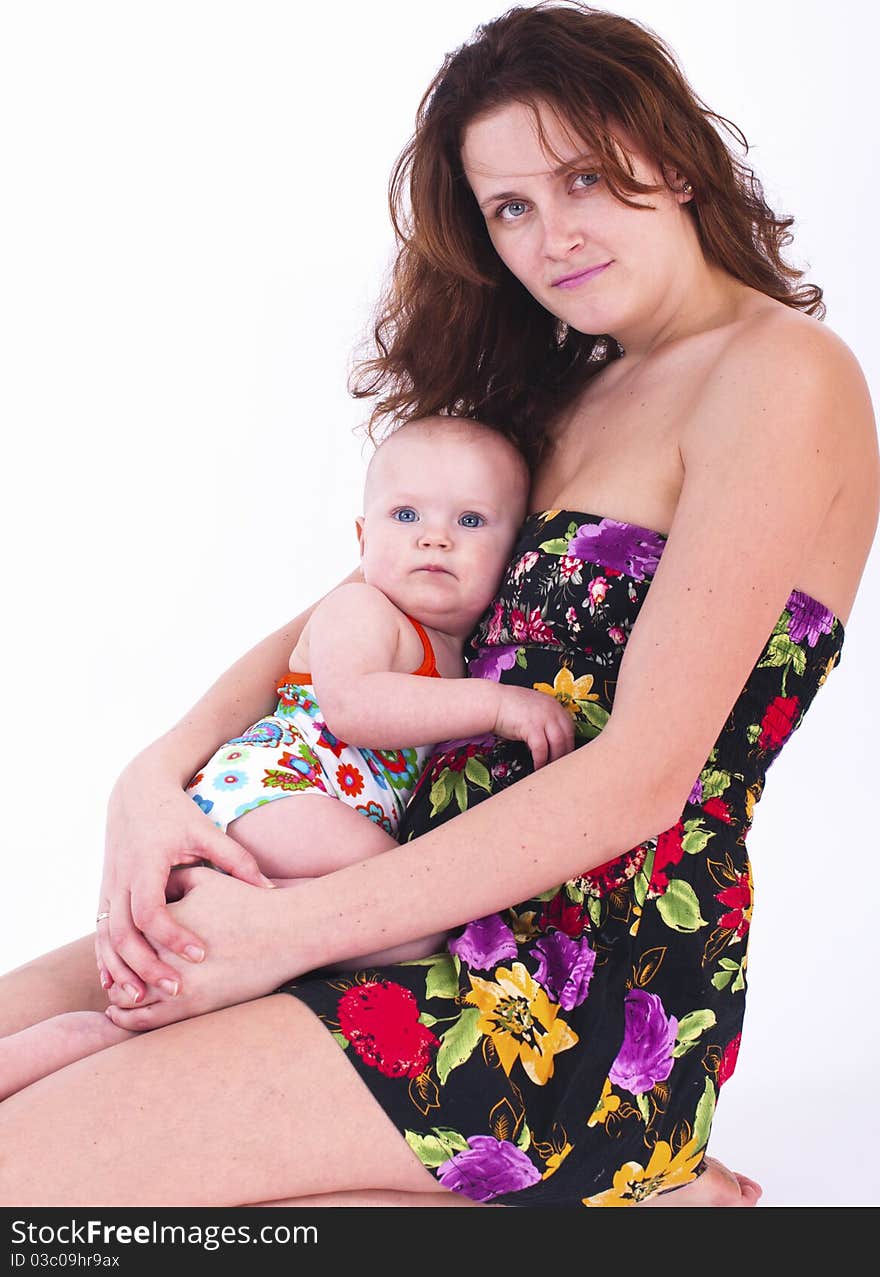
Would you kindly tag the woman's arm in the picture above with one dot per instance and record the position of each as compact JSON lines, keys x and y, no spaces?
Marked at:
{"x":573,"y":814}
{"x":153,"y":825}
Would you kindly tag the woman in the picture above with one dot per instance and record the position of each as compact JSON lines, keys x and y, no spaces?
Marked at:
{"x":565,"y":183}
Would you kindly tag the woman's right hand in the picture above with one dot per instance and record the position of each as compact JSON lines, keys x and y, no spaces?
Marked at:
{"x":153,"y":825}
{"x":538,"y":719}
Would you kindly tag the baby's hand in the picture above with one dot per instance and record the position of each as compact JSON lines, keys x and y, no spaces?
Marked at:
{"x":536,"y":718}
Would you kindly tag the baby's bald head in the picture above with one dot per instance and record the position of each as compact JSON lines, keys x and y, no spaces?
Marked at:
{"x":496,"y":465}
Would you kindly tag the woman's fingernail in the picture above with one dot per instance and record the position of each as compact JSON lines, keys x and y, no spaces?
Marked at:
{"x":194,"y":954}
{"x":105,"y":980}
{"x":170,"y":986}
{"x":133,"y":993}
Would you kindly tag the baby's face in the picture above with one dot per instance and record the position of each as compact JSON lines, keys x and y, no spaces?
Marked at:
{"x":440,"y":520}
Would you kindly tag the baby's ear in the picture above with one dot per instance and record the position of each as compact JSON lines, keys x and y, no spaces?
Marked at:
{"x":359,"y":528}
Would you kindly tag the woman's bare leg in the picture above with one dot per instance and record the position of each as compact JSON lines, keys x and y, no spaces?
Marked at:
{"x":254,"y":1103}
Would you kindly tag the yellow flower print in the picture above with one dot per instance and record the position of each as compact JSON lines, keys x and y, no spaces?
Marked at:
{"x":568,"y":691}
{"x":633,"y":1183}
{"x":521,"y":1021}
{"x":608,"y":1103}
{"x":555,"y":1160}
{"x":829,"y":666}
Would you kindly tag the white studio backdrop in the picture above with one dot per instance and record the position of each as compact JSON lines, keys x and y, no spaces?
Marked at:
{"x":193,"y":233}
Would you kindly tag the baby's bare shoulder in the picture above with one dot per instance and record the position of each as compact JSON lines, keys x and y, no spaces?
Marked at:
{"x":358,"y":615}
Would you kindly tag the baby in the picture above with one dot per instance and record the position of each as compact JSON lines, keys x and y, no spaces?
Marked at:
{"x":380,"y":663}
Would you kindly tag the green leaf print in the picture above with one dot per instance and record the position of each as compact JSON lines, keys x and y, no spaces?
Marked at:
{"x":695,"y":840}
{"x":558,"y":545}
{"x":442,"y":979}
{"x":427,"y":1019}
{"x":434,"y":1150}
{"x":690,"y":1028}
{"x":643,"y":1107}
{"x":594,"y":909}
{"x":524,"y":1139}
{"x":679,"y":907}
{"x":705,"y":1113}
{"x":441,"y":793}
{"x":782,"y":650}
{"x":458,"y":1042}
{"x":477,"y":773}
{"x":730,"y":970}
{"x":461,"y":792}
{"x":341,"y":1039}
{"x":640,"y":886}
{"x":594,"y":713}
{"x":713,"y":783}
{"x":521,"y":658}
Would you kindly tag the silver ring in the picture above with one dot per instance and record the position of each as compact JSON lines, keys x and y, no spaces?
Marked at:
{"x":101,"y":917}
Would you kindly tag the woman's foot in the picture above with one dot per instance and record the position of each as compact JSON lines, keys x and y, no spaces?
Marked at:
{"x":717,"y":1186}
{"x":43,"y":1048}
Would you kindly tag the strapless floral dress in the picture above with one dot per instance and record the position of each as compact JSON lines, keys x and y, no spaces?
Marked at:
{"x":570,"y":1050}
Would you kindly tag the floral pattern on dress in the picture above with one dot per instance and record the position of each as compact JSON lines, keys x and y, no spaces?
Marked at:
{"x":570,"y":1050}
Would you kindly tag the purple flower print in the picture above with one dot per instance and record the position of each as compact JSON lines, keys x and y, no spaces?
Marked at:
{"x":695,"y":797}
{"x":484,"y":943}
{"x":487,"y":1168}
{"x":809,"y":618}
{"x":625,"y":547}
{"x":491,"y":661}
{"x":566,"y":968}
{"x":645,"y":1056}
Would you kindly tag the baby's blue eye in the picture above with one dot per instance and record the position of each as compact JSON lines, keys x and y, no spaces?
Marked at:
{"x":478,"y":517}
{"x":403,"y":514}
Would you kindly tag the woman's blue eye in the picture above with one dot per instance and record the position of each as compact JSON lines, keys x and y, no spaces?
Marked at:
{"x":478,"y":517}
{"x":512,"y":204}
{"x":402,"y":515}
{"x":592,"y":179}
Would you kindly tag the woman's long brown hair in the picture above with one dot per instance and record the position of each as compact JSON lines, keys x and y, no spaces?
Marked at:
{"x":456,"y":332}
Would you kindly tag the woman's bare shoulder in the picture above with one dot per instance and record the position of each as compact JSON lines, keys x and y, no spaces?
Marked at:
{"x":775,"y":351}
{"x":776,"y":340}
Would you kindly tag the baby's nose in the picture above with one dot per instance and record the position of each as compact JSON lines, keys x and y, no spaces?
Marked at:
{"x":435,"y":536}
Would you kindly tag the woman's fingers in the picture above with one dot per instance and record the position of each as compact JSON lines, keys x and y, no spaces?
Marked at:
{"x":109,"y":960}
{"x":230,"y":856}
{"x":136,"y":924}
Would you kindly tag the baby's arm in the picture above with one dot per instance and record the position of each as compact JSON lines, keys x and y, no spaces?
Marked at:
{"x":353,"y":639}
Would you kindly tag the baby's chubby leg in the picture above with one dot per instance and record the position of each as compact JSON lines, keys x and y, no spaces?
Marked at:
{"x":42,"y":1048}
{"x":307,"y":835}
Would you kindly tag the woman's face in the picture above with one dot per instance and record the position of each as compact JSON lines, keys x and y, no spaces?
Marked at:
{"x":546,"y":226}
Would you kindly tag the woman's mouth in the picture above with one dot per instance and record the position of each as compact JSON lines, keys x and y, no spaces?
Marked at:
{"x":572,"y":281}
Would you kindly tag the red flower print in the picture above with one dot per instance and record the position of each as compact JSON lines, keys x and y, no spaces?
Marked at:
{"x":719,"y":808}
{"x":532,"y":627}
{"x":669,"y":852}
{"x":563,"y":915}
{"x":349,"y":780}
{"x":381,"y":1021}
{"x":728,"y":1060}
{"x":778,"y":721}
{"x":195,"y":780}
{"x":454,"y":761}
{"x":739,"y":900}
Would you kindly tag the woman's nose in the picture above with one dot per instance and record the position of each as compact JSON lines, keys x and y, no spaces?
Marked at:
{"x":562,"y":232}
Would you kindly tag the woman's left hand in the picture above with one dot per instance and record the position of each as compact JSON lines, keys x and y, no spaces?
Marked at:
{"x":249,"y":955}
